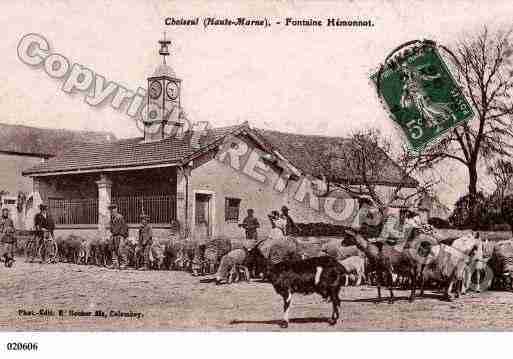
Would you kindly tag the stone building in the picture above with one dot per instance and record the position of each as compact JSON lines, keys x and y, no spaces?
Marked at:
{"x":22,"y":147}
{"x":199,"y":182}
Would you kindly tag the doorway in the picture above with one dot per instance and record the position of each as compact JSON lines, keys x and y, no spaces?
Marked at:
{"x":203,"y":215}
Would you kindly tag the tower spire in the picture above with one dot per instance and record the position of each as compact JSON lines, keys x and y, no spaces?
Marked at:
{"x":164,"y":49}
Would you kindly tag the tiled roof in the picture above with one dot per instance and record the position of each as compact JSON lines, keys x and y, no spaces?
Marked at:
{"x":127,"y":153}
{"x":45,"y":142}
{"x":305,"y":152}
{"x":309,"y":153}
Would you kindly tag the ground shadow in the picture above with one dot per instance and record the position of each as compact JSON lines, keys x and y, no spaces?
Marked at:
{"x":259,"y":280}
{"x":440,"y":296}
{"x":372,"y":300}
{"x":396,"y":299}
{"x":278,"y":322}
{"x":211,"y":280}
{"x":207,"y":280}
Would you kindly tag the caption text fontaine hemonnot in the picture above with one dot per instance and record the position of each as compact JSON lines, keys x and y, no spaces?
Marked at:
{"x":334,"y":22}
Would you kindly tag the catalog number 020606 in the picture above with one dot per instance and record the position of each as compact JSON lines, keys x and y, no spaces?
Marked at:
{"x":17,"y":346}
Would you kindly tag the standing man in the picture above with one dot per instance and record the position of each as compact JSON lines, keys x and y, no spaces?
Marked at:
{"x":144,"y":245}
{"x":119,"y":238}
{"x":7,"y":238}
{"x":393,"y":226}
{"x":250,"y":224}
{"x":419,"y":221}
{"x":44,"y":226}
{"x":291,"y":227}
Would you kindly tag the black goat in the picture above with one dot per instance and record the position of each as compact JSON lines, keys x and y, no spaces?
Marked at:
{"x":321,"y":275}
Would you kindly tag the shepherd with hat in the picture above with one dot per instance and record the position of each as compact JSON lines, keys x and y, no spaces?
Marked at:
{"x":118,"y":239}
{"x":7,"y":238}
{"x":422,"y":223}
{"x":250,"y":225}
{"x":143,"y":249}
{"x":44,"y":227}
{"x":291,"y":226}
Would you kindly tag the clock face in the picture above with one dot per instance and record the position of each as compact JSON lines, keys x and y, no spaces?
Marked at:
{"x":172,"y":90}
{"x":155,"y":89}
{"x":153,"y":115}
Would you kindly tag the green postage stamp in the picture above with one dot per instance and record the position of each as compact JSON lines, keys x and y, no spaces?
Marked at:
{"x":422,"y":96}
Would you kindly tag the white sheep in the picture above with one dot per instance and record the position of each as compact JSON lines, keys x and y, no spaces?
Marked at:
{"x":354,"y":265}
{"x":444,"y":264}
{"x":472,"y":247}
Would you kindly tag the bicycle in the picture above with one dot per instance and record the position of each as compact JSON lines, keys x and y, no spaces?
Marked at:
{"x":44,"y":247}
{"x":31,"y":247}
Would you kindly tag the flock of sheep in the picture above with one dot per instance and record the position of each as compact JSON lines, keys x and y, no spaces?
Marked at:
{"x":363,"y":261}
{"x":450,"y":266}
{"x":165,"y":254}
{"x":323,"y":267}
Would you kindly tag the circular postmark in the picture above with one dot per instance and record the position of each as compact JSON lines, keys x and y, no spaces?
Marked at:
{"x":423,"y":248}
{"x":481,"y":276}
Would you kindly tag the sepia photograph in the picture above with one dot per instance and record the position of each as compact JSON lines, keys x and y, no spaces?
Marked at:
{"x":274,"y":166}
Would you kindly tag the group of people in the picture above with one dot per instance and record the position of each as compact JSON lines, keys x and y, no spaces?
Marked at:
{"x":118,"y":241}
{"x":396,"y":228}
{"x":399,"y":225}
{"x":282,"y":225}
{"x":43,"y":233}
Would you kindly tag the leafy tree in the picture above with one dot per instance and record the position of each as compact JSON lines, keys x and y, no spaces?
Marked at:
{"x":467,"y":214}
{"x":507,"y":210}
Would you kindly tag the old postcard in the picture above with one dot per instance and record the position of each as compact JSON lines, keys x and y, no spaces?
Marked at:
{"x":261,"y":166}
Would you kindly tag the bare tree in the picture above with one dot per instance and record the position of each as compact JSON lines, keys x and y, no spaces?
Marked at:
{"x":501,"y":171}
{"x":484,"y":69}
{"x":368,"y":159}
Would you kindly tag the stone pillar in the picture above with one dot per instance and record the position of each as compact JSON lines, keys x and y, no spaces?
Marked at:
{"x":183,"y":195}
{"x":180,"y":196}
{"x":35,"y":184}
{"x":104,"y":199}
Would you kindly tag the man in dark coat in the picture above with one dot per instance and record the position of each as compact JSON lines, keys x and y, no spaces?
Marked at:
{"x":291,"y":227}
{"x":43,"y":221}
{"x":44,"y":226}
{"x":144,"y":244}
{"x":119,"y":238}
{"x":250,"y":224}
{"x":7,"y":238}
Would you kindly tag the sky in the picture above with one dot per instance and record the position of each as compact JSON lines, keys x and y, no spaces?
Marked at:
{"x":306,"y":80}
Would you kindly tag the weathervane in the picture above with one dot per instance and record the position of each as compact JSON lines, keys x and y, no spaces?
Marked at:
{"x":164,"y":50}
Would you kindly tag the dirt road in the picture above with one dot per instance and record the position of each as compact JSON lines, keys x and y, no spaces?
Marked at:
{"x":178,"y":301}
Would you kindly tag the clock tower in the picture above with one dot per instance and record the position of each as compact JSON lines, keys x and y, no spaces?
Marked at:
{"x":163,"y":112}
